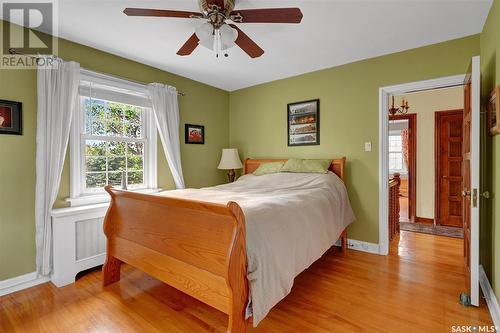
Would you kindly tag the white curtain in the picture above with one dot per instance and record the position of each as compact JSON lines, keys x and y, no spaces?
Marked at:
{"x":166,"y":111}
{"x":57,"y":98}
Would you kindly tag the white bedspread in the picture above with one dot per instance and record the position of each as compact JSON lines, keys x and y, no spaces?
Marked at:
{"x":291,"y":220}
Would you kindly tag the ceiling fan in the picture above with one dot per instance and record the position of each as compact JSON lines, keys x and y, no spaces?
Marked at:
{"x":220,"y":32}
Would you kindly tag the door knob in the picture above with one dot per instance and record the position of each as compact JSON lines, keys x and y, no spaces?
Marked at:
{"x":465,"y":193}
{"x":485,"y":194}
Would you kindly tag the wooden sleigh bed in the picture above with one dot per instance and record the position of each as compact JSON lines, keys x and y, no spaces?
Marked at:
{"x":196,"y":247}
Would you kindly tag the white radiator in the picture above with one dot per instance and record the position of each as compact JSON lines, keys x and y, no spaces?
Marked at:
{"x":78,"y":241}
{"x":90,"y":240}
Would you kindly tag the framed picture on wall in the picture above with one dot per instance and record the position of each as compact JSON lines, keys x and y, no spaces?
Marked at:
{"x":194,"y":134}
{"x":10,"y":117}
{"x":493,"y":112}
{"x":303,"y":123}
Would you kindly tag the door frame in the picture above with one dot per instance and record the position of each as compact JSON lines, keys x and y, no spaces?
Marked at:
{"x":384,"y":94}
{"x":437,"y":160}
{"x":412,"y":161}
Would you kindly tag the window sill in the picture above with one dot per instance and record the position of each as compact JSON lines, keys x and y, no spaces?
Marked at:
{"x":101,"y":198}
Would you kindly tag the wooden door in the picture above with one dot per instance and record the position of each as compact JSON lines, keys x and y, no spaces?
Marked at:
{"x":470,"y":170}
{"x":449,"y":158}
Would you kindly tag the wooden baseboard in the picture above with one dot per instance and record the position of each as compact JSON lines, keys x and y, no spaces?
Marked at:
{"x":424,"y":220}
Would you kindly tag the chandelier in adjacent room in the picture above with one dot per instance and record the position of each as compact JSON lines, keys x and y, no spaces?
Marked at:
{"x":403,"y":109}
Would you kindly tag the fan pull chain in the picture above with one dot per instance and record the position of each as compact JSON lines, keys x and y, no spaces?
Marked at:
{"x":218,"y":42}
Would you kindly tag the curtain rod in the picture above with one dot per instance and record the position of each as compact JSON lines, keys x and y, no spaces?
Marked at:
{"x":13,"y":51}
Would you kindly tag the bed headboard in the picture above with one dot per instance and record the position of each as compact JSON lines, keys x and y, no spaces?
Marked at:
{"x":337,"y":166}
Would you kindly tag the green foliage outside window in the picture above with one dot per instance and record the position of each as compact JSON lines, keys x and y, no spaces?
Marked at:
{"x":107,"y":158}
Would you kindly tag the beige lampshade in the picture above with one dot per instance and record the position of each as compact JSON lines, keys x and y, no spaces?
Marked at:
{"x":230,"y":160}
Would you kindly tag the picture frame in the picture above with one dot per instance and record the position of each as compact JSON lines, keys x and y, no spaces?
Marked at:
{"x":11,"y":117}
{"x":303,"y":123}
{"x":194,"y":134}
{"x":493,"y":112}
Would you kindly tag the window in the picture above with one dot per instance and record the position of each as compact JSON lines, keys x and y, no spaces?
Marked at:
{"x":113,"y":139}
{"x":113,"y":142}
{"x":396,"y":163}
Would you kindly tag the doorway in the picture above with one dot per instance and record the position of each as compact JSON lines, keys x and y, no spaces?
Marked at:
{"x":471,"y":92}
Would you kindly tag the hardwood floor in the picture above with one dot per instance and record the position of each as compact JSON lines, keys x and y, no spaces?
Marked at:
{"x":415,"y":289}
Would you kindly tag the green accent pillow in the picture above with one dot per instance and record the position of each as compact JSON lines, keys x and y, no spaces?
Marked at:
{"x":267,"y":168}
{"x":306,"y":166}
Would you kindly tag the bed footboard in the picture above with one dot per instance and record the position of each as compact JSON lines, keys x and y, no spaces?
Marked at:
{"x":196,"y":247}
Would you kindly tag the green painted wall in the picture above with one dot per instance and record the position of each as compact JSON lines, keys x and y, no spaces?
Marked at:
{"x":349,"y":115}
{"x":17,"y":187}
{"x":490,"y":224}
{"x":203,"y":105}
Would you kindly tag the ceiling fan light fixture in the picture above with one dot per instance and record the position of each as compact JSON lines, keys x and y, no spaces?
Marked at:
{"x":224,"y":47}
{"x":205,"y":33}
{"x":217,"y":40}
{"x":209,"y":43}
{"x":228,"y":35}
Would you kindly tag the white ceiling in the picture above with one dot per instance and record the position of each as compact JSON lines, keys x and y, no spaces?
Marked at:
{"x":333,"y":32}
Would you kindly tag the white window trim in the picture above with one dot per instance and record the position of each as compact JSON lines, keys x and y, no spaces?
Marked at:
{"x":77,"y":198}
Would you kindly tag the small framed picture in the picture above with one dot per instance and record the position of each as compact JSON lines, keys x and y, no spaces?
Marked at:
{"x":493,"y":112}
{"x":303,"y":123}
{"x":194,"y":134}
{"x":10,"y":117}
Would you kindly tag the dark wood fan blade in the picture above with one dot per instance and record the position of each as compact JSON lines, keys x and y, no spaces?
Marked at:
{"x":246,"y":44}
{"x":160,"y":13}
{"x":268,"y":15}
{"x":189,"y":46}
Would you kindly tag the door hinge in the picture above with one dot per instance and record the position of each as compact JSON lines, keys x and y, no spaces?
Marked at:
{"x":474,"y":198}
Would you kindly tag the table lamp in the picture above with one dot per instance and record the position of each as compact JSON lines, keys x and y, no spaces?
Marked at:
{"x":230,"y":160}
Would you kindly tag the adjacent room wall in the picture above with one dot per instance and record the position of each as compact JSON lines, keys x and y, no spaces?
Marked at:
{"x":349,"y":115}
{"x":425,"y":104}
{"x":490,"y":209}
{"x":202,"y":105}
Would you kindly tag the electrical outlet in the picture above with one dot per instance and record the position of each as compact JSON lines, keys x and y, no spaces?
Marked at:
{"x":368,"y":146}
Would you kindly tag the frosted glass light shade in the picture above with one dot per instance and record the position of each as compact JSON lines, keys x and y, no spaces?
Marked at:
{"x":230,"y":160}
{"x":209,"y":43}
{"x":228,"y":36}
{"x":205,"y":34}
{"x":224,"y":37}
